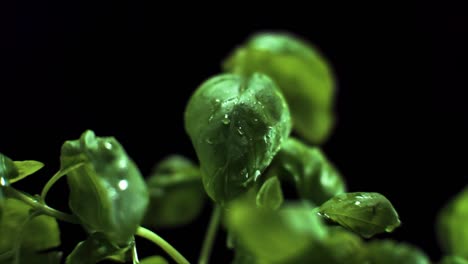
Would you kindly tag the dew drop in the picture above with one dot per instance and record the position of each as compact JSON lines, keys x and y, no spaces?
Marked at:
{"x":209,"y":141}
{"x":239,"y":129}
{"x":256,"y":175}
{"x":357,"y":203}
{"x":226,"y":120}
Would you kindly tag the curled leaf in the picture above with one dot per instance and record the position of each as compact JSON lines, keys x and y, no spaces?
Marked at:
{"x":107,"y":192}
{"x":300,"y":71}
{"x":236,"y":125}
{"x":364,"y":213}
{"x":176,"y":193}
{"x":315,"y":178}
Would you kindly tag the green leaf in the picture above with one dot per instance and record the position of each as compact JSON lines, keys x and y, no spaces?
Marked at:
{"x":95,"y":248}
{"x":107,"y":193}
{"x":176,"y":193}
{"x":390,"y":252}
{"x":8,"y":170}
{"x":40,"y":233}
{"x":236,"y":125}
{"x":28,"y":257}
{"x":300,"y":71}
{"x":26,"y":168}
{"x":274,"y":236}
{"x":364,"y":213}
{"x":270,"y":194}
{"x":453,"y":260}
{"x":452,"y":225}
{"x":154,"y":260}
{"x":315,"y":178}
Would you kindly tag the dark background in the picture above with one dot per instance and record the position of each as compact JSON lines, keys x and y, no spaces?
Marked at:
{"x":127,"y":70}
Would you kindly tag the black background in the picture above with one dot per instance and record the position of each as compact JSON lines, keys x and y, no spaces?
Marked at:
{"x":127,"y":70}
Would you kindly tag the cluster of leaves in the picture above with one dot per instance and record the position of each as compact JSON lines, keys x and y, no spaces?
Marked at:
{"x":240,"y":124}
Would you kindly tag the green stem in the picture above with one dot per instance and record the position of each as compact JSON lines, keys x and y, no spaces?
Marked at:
{"x":170,"y":250}
{"x":19,"y":238}
{"x":44,"y":209}
{"x":57,"y":177}
{"x":210,"y":236}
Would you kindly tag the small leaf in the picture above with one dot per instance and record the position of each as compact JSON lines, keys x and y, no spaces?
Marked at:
{"x":315,"y":178}
{"x":236,"y":126}
{"x":154,"y":260}
{"x":95,"y":248}
{"x":300,"y":71}
{"x":270,"y":194}
{"x":364,"y":213}
{"x":274,"y":236}
{"x":390,"y":252}
{"x":40,"y":233}
{"x":176,"y":193}
{"x":452,"y":225}
{"x":453,"y":260}
{"x":26,"y":168}
{"x":107,"y":193}
{"x":8,"y":170}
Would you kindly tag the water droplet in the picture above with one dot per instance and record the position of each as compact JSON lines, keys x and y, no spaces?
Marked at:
{"x":123,"y":185}
{"x":209,"y":141}
{"x":247,"y":175}
{"x":256,"y":120}
{"x":226,"y":120}
{"x":3,"y":182}
{"x":239,"y":129}
{"x":122,"y":163}
{"x":256,"y":175}
{"x":217,"y":100}
{"x":357,"y":203}
{"x":211,"y":118}
{"x":108,"y":145}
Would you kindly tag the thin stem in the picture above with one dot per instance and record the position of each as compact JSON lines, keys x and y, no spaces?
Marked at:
{"x":168,"y":248}
{"x":210,"y":236}
{"x":36,"y":205}
{"x":55,"y":178}
{"x":19,"y":238}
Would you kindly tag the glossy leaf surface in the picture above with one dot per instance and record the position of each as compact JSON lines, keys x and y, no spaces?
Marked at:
{"x":107,"y":193}
{"x":364,"y":213}
{"x":236,"y":125}
{"x":452,"y":225}
{"x":176,"y":193}
{"x":300,"y":71}
{"x":315,"y":178}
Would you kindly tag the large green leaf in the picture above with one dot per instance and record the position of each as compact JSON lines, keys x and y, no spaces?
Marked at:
{"x":300,"y":71}
{"x":176,"y":193}
{"x":390,"y":252}
{"x":107,"y":192}
{"x":237,"y":125}
{"x":452,"y":225}
{"x":95,"y":248}
{"x":315,"y":178}
{"x":364,"y":213}
{"x":37,"y":234}
{"x":274,"y":236}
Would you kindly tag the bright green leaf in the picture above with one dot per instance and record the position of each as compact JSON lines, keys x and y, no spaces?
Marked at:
{"x":453,"y":260}
{"x":452,"y":225}
{"x":315,"y":178}
{"x":95,"y":248}
{"x":300,"y":71}
{"x":274,"y":236}
{"x":270,"y":194}
{"x":390,"y":252}
{"x":40,"y":233}
{"x":176,"y":193}
{"x":26,"y":168}
{"x":154,"y":260}
{"x":107,"y":193}
{"x":364,"y":213}
{"x":236,"y":125}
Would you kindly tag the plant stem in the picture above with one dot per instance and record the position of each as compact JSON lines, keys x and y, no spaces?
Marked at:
{"x":57,"y":177}
{"x":168,"y":248}
{"x":210,"y":236}
{"x":44,"y":209}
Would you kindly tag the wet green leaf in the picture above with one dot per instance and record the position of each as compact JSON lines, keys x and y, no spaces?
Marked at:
{"x":38,"y":234}
{"x":236,"y":125}
{"x":154,"y":260}
{"x":26,"y":168}
{"x":95,"y":248}
{"x":315,"y":178}
{"x":364,"y":213}
{"x":390,"y":252}
{"x":270,"y":194}
{"x":274,"y":236}
{"x":176,"y":193}
{"x":8,"y":170}
{"x":452,"y":225}
{"x":300,"y":71}
{"x":453,"y":260}
{"x":107,"y":193}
